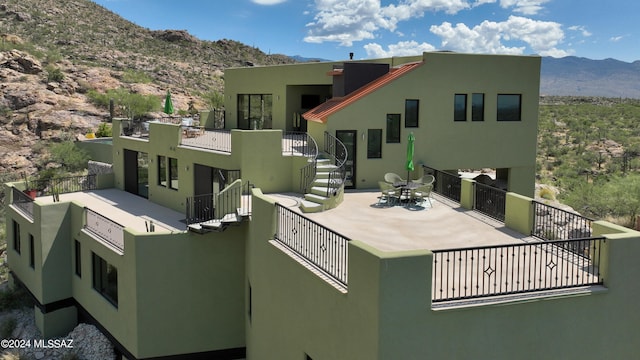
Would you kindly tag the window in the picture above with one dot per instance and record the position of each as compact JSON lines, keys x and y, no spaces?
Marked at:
{"x":393,"y":128}
{"x":374,"y":143}
{"x":460,"y":107}
{"x":255,"y":111}
{"x":105,"y":279}
{"x":411,"y":113}
{"x":173,"y":173}
{"x":78,"y":258}
{"x":477,"y":107}
{"x":509,"y":107}
{"x":16,"y":237}
{"x":162,"y":170}
{"x":169,"y":172}
{"x":32,"y":252}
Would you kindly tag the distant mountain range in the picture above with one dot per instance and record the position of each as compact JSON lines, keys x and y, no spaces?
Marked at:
{"x":575,"y":76}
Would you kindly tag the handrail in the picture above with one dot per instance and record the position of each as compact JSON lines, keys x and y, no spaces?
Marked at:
{"x":324,"y":248}
{"x":489,"y":200}
{"x":309,"y":171}
{"x":477,"y":272}
{"x":299,"y":143}
{"x":552,"y":223}
{"x":338,"y":152}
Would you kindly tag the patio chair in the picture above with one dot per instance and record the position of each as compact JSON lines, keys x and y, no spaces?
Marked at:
{"x":421,"y":193}
{"x":426,"y":179}
{"x":392,"y":178}
{"x":389,"y":193}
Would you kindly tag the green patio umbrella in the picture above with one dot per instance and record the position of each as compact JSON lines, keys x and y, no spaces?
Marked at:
{"x":410,"y":146}
{"x":168,"y":105}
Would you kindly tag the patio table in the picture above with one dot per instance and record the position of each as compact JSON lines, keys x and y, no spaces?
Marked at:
{"x":406,"y":187}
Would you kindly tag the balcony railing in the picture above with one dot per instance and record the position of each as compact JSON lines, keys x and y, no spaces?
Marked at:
{"x":66,"y":185}
{"x":552,"y":223}
{"x":214,"y":206}
{"x":104,"y":228}
{"x":299,"y":143}
{"x":446,"y":184}
{"x":326,"y":249}
{"x":510,"y":269}
{"x":490,"y":201}
{"x":217,"y":140}
{"x":22,"y":201}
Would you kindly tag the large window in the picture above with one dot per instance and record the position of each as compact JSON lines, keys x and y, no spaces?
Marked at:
{"x":78,"y":258}
{"x":460,"y":107}
{"x":393,"y":128}
{"x":477,"y":107}
{"x":162,"y":170}
{"x":105,"y":279}
{"x":509,"y":107}
{"x":16,"y":237}
{"x":173,"y":173}
{"x":374,"y":143}
{"x":255,"y":111}
{"x":168,"y":173}
{"x":411,"y":112}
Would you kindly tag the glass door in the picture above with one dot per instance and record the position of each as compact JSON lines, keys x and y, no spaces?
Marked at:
{"x":348,"y":138}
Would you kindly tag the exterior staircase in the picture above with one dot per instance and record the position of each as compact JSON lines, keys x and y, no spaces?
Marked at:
{"x":316,"y":199}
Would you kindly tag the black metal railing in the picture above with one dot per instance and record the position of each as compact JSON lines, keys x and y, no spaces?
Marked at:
{"x":218,"y":140}
{"x":65,"y":185}
{"x":552,"y":223}
{"x":510,"y":269}
{"x":338,"y":154}
{"x":22,"y":201}
{"x":326,"y":249}
{"x":489,"y":200}
{"x":215,"y":206}
{"x":446,"y":184}
{"x":299,"y":143}
{"x":308,"y":175}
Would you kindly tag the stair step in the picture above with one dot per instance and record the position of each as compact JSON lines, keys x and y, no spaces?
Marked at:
{"x":310,"y":206}
{"x":319,"y":190}
{"x":315,"y":198}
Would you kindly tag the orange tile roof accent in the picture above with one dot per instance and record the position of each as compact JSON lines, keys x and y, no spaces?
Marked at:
{"x":321,"y":112}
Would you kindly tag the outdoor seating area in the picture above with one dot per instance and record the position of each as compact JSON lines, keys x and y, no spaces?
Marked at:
{"x":412,"y":194}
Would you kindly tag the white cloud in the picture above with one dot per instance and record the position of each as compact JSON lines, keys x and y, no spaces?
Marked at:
{"x":543,"y":37}
{"x":525,"y":7}
{"x":616,"y":38}
{"x":581,"y":29}
{"x":355,"y":20}
{"x":403,"y":48}
{"x":268,"y":2}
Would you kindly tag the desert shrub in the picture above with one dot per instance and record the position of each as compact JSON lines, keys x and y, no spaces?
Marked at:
{"x":133,"y":76}
{"x":69,"y":156}
{"x":54,"y":74}
{"x":127,"y":104}
{"x":104,"y":130}
{"x":546,"y":193}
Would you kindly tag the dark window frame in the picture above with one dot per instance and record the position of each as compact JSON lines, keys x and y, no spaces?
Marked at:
{"x":78,"y":258}
{"x":32,"y":252}
{"x":477,"y":109}
{"x":506,"y":114}
{"x":162,"y":170}
{"x":105,"y":279}
{"x":173,"y":173}
{"x":411,"y":120}
{"x":16,"y":237}
{"x":393,"y":129}
{"x":460,"y":114}
{"x":373,"y":141}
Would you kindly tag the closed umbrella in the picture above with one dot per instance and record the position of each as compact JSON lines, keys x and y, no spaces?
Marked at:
{"x":410,"y":147}
{"x":168,"y":105}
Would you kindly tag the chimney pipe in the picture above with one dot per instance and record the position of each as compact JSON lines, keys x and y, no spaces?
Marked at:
{"x":350,"y":56}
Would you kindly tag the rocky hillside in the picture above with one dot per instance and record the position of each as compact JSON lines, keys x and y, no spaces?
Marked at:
{"x":52,"y":53}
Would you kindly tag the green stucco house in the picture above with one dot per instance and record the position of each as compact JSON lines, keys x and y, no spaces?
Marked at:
{"x":260,"y":234}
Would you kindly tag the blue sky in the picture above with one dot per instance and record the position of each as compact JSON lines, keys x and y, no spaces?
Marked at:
{"x":331,"y":29}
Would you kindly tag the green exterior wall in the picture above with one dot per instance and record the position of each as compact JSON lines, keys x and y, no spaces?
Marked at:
{"x":98,"y":149}
{"x":386,"y":312}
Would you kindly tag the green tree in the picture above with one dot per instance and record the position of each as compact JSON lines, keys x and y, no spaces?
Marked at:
{"x":70,"y":158}
{"x":214,"y":99}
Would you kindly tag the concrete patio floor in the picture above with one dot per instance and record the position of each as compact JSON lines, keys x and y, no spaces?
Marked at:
{"x":445,"y":225}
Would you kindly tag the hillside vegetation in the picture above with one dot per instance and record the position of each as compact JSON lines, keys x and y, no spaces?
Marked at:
{"x":589,"y":148}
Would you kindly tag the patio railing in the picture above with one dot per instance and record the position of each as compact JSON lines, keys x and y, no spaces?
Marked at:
{"x":299,"y":143}
{"x":489,"y":200}
{"x":105,"y":228}
{"x":66,"y":185}
{"x":552,"y":223}
{"x":510,"y":269}
{"x":218,"y":140}
{"x":326,"y":249}
{"x":22,"y":201}
{"x":446,"y":184}
{"x":215,"y":206}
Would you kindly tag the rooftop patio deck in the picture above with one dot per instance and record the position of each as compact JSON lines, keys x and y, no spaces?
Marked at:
{"x":126,"y":209}
{"x":445,"y":225}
